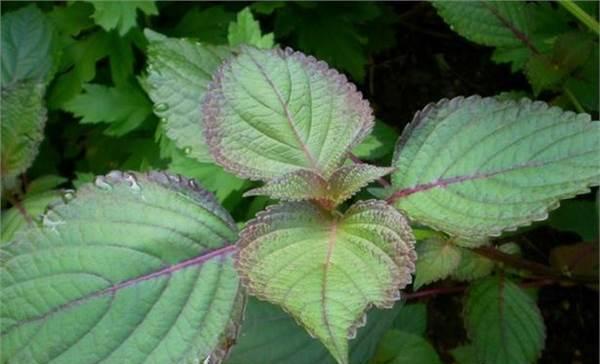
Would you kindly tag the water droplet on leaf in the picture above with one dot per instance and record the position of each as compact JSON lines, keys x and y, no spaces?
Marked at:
{"x":68,"y":195}
{"x":187,"y":150}
{"x":161,"y":107}
{"x":163,"y":120}
{"x":102,"y":184}
{"x":133,"y":183}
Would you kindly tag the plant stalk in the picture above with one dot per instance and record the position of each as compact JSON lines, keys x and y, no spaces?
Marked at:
{"x":581,"y":15}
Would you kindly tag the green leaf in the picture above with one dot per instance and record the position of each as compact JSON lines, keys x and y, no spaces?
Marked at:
{"x":124,"y":108}
{"x":44,"y":184}
{"x":498,"y":24}
{"x":265,"y":324}
{"x":398,"y":347}
{"x":72,"y":18}
{"x":23,"y":118}
{"x":503,"y":322}
{"x":210,"y":176}
{"x":465,"y":354}
{"x":179,"y":71}
{"x":475,"y":167}
{"x":437,"y":260}
{"x":271,"y":112}
{"x":412,"y":319}
{"x":331,"y":32}
{"x":80,"y":58}
{"x":578,"y":216}
{"x":121,"y":60}
{"x":378,"y":144}
{"x":34,"y":205}
{"x":307,"y":185}
{"x":325,"y":270}
{"x":120,"y":15}
{"x":246,"y":30}
{"x":472,"y":266}
{"x":207,"y":25}
{"x":137,"y":266}
{"x":29,"y":51}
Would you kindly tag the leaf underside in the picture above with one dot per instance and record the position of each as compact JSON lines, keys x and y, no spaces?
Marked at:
{"x":179,"y":71}
{"x":475,"y":167}
{"x":134,"y":268}
{"x":272,"y":112}
{"x":326,"y":270}
{"x":503,"y":322}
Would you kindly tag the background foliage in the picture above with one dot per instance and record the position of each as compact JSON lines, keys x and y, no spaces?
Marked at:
{"x":83,"y":88}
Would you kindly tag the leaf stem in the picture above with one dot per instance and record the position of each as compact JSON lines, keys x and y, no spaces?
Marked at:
{"x":436,"y":291}
{"x":574,"y":100}
{"x":581,"y":15}
{"x":16,"y":203}
{"x":539,"y":270}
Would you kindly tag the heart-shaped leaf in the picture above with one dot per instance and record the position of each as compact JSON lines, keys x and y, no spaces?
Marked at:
{"x":308,"y":185}
{"x":132,"y":269}
{"x":477,"y":166}
{"x":272,"y":112}
{"x":179,"y":72}
{"x":326,"y":269}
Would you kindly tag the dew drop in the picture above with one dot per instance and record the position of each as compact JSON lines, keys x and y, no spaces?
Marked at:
{"x":51,"y":220}
{"x":102,"y":184}
{"x":187,"y":150}
{"x":351,"y":333}
{"x":163,"y":120}
{"x":68,"y":195}
{"x":161,"y":107}
{"x":133,"y":183}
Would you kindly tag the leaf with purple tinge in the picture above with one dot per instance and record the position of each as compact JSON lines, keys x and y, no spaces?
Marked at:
{"x":326,"y":269}
{"x":134,"y":268}
{"x":474,"y":167}
{"x":308,"y":185}
{"x":272,"y":112}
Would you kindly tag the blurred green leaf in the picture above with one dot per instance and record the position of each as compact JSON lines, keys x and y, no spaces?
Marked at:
{"x":271,"y":336}
{"x":378,"y":144}
{"x":72,"y":18}
{"x":329,"y":32}
{"x":80,"y":60}
{"x":465,"y":354}
{"x":207,"y":25}
{"x":398,"y":347}
{"x":412,"y":319}
{"x":124,"y":108}
{"x":246,"y":30}
{"x":579,"y":216}
{"x":120,"y":15}
{"x":44,"y":183}
{"x":23,"y":118}
{"x":29,"y":47}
